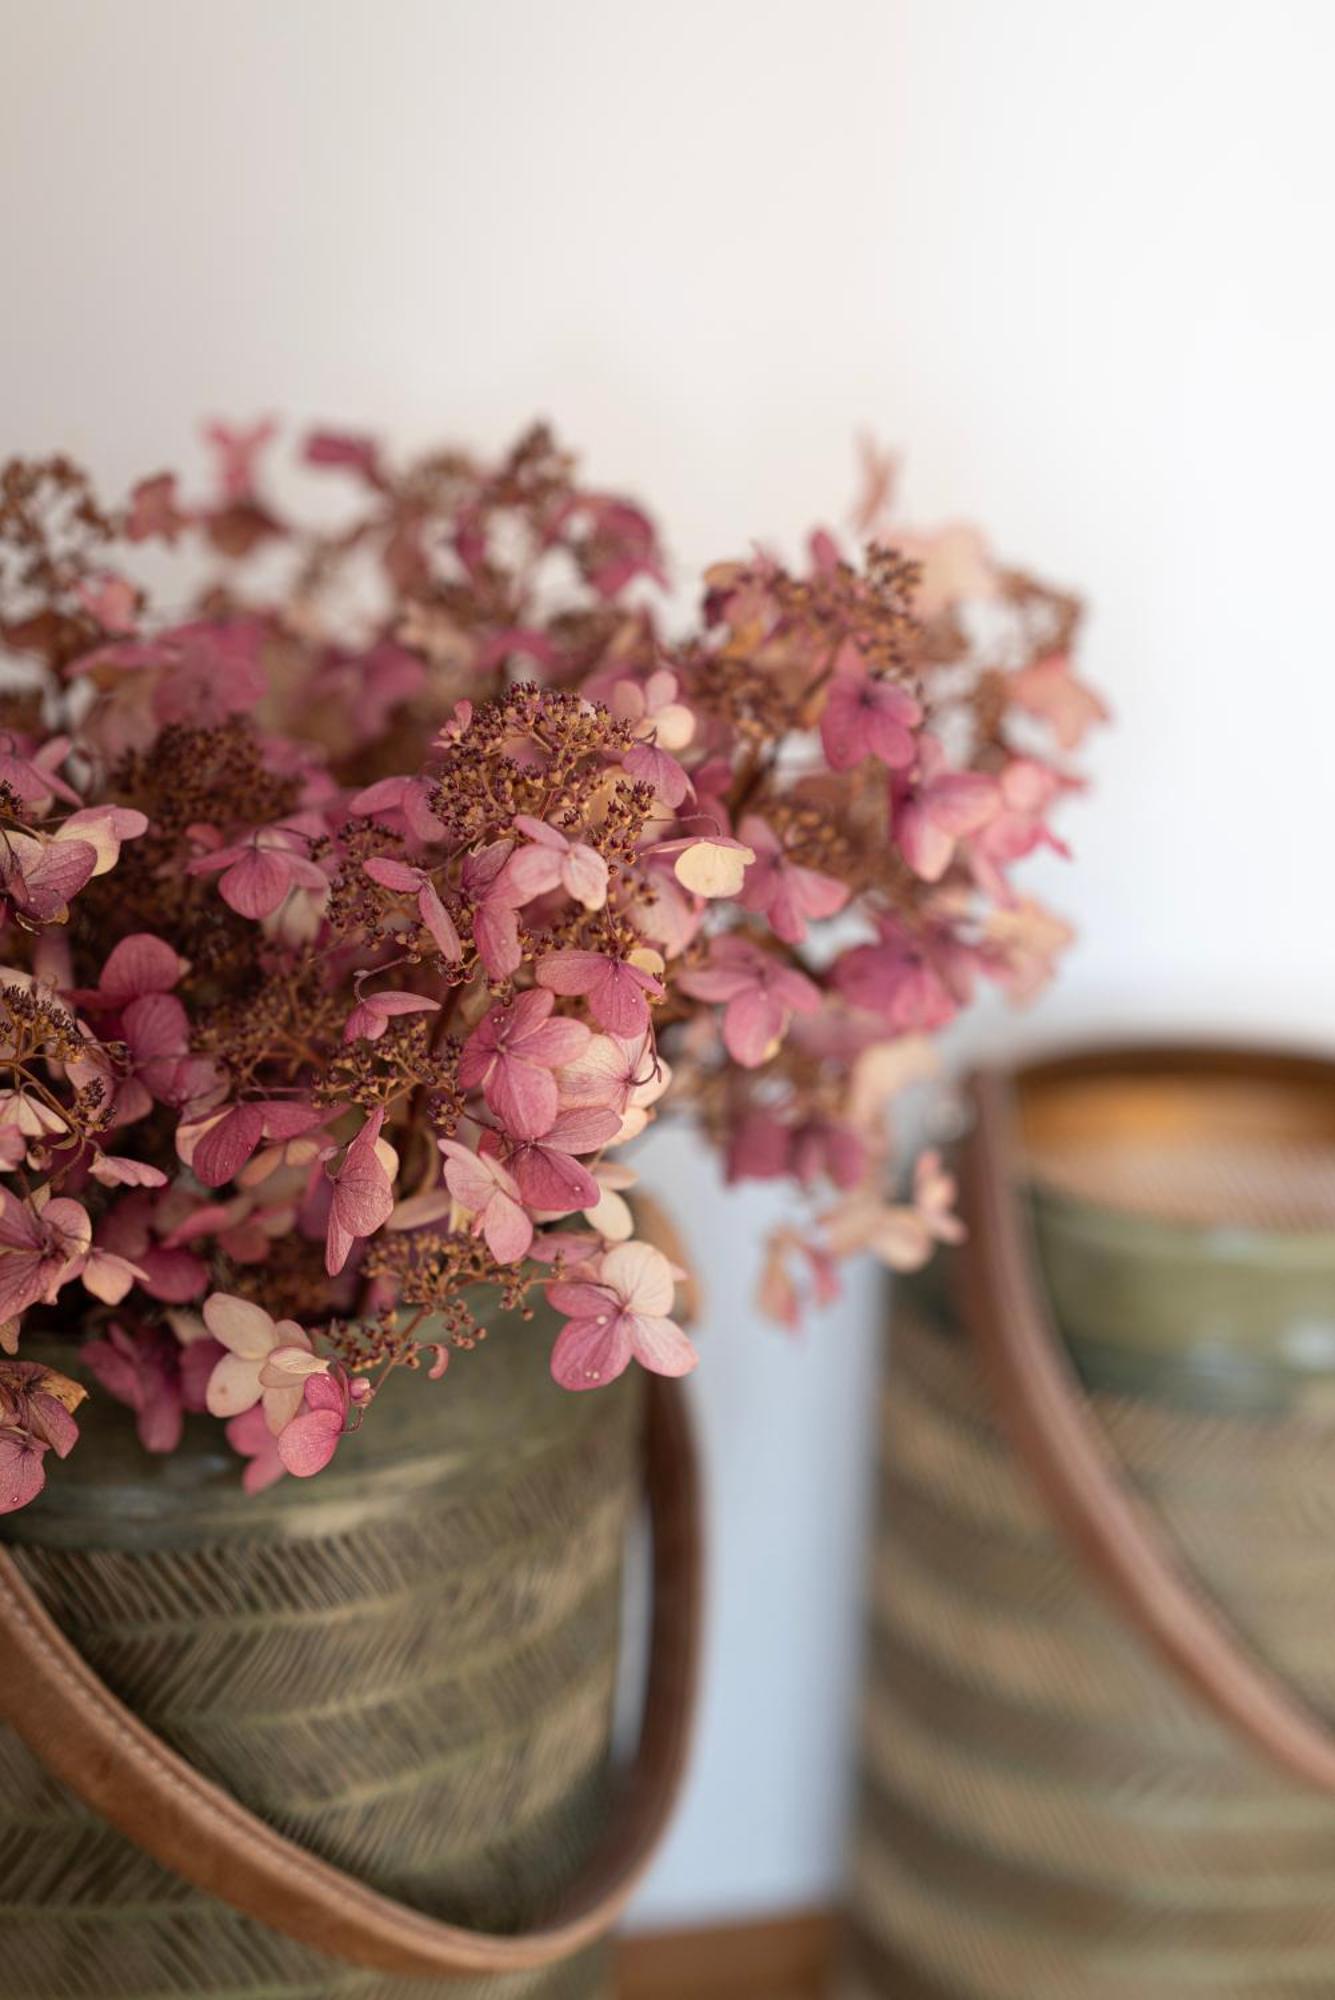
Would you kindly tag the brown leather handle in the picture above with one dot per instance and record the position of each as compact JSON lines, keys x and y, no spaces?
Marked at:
{"x":116,"y":1765}
{"x":1057,"y":1435}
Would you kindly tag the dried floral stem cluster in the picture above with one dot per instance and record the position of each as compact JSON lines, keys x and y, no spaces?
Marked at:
{"x":358,"y":915}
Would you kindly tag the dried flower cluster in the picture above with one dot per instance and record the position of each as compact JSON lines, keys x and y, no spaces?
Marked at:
{"x":359,"y":912}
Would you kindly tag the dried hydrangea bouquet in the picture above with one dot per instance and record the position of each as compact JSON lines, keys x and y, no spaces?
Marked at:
{"x":369,"y":886}
{"x":359,"y":916}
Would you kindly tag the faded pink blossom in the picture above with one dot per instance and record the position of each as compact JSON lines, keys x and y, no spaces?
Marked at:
{"x":153,"y":513}
{"x":511,"y":1055}
{"x":261,"y":871}
{"x":488,"y":1192}
{"x":399,"y":803}
{"x":901,"y":1236}
{"x":392,"y":874}
{"x":250,"y":1438}
{"x":934,"y":808}
{"x":759,"y":995}
{"x":865,"y":716}
{"x":614,"y":988}
{"x":363,"y":1192}
{"x":238,"y":453}
{"x":763,"y":1147}
{"x":40,"y":1250}
{"x":156,"y":1376}
{"x":619,"y":1314}
{"x":32,"y":773}
{"x":41,"y":877}
{"x":372,"y":1015}
{"x":551,"y":861}
{"x":549,"y":1176}
{"x":36,"y":1416}
{"x":1049,"y":690}
{"x":1028,"y":790}
{"x":217,"y":1145}
{"x":308,"y":1441}
{"x":776,"y":887}
{"x":339,"y":448}
{"x":495,"y":922}
{"x":267,"y":1361}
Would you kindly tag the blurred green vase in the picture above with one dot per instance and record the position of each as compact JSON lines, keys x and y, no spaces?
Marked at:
{"x":1047,"y":1811}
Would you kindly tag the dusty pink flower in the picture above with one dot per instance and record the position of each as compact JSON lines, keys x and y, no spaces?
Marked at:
{"x":36,"y":1416}
{"x":372,"y":1015}
{"x":261,"y":871}
{"x":511,"y":1055}
{"x":39,"y":1250}
{"x":217,"y":1145}
{"x":266,"y":1362}
{"x":618,"y":1315}
{"x":363,"y":1195}
{"x":250,"y":1438}
{"x":488,"y":1192}
{"x":40,"y":877}
{"x":623,"y":1074}
{"x":392,"y":874}
{"x":764,"y":1148}
{"x":1050,"y":690}
{"x":550,"y":860}
{"x":33,"y":774}
{"x":614,"y":988}
{"x":901,"y":979}
{"x":399,"y":803}
{"x":308,"y":1440}
{"x":1028,"y":790}
{"x":238,"y":453}
{"x":934,"y":808}
{"x":495,"y":922}
{"x":789,"y":895}
{"x":759,"y":995}
{"x":156,"y":1376}
{"x":866,"y":717}
{"x":901,"y":1236}
{"x":549,"y":1176}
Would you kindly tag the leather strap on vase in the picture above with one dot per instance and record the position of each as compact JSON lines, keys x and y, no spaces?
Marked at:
{"x":117,"y":1766}
{"x":1058,"y":1437}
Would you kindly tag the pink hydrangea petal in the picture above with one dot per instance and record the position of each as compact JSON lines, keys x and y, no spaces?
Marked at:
{"x":139,"y":964}
{"x":587,"y":1355}
{"x":242,"y":1327}
{"x":523,"y":1095}
{"x":533,"y":871}
{"x":552,"y":1181}
{"x":507,"y":1229}
{"x":752,"y":1024}
{"x":224,"y":1149}
{"x":557,"y":1042}
{"x":308,"y":1442}
{"x":439,"y":923}
{"x":22,"y":1472}
{"x":496,"y":935}
{"x":580,"y":1300}
{"x":234,"y":1385}
{"x":641,"y":1276}
{"x":660,"y":1345}
{"x":256,"y":883}
{"x":585,"y":876}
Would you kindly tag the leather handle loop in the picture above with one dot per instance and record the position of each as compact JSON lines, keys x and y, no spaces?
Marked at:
{"x":122,"y":1770}
{"x":1057,"y":1435}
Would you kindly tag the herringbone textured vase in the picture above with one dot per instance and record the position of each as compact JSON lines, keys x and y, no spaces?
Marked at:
{"x":1047,"y":1814}
{"x":407,"y":1664}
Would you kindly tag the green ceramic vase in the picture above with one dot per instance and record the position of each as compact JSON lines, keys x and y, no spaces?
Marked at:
{"x":407,"y":1664}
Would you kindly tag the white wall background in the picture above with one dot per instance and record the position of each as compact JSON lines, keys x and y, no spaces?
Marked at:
{"x":1075,"y":259}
